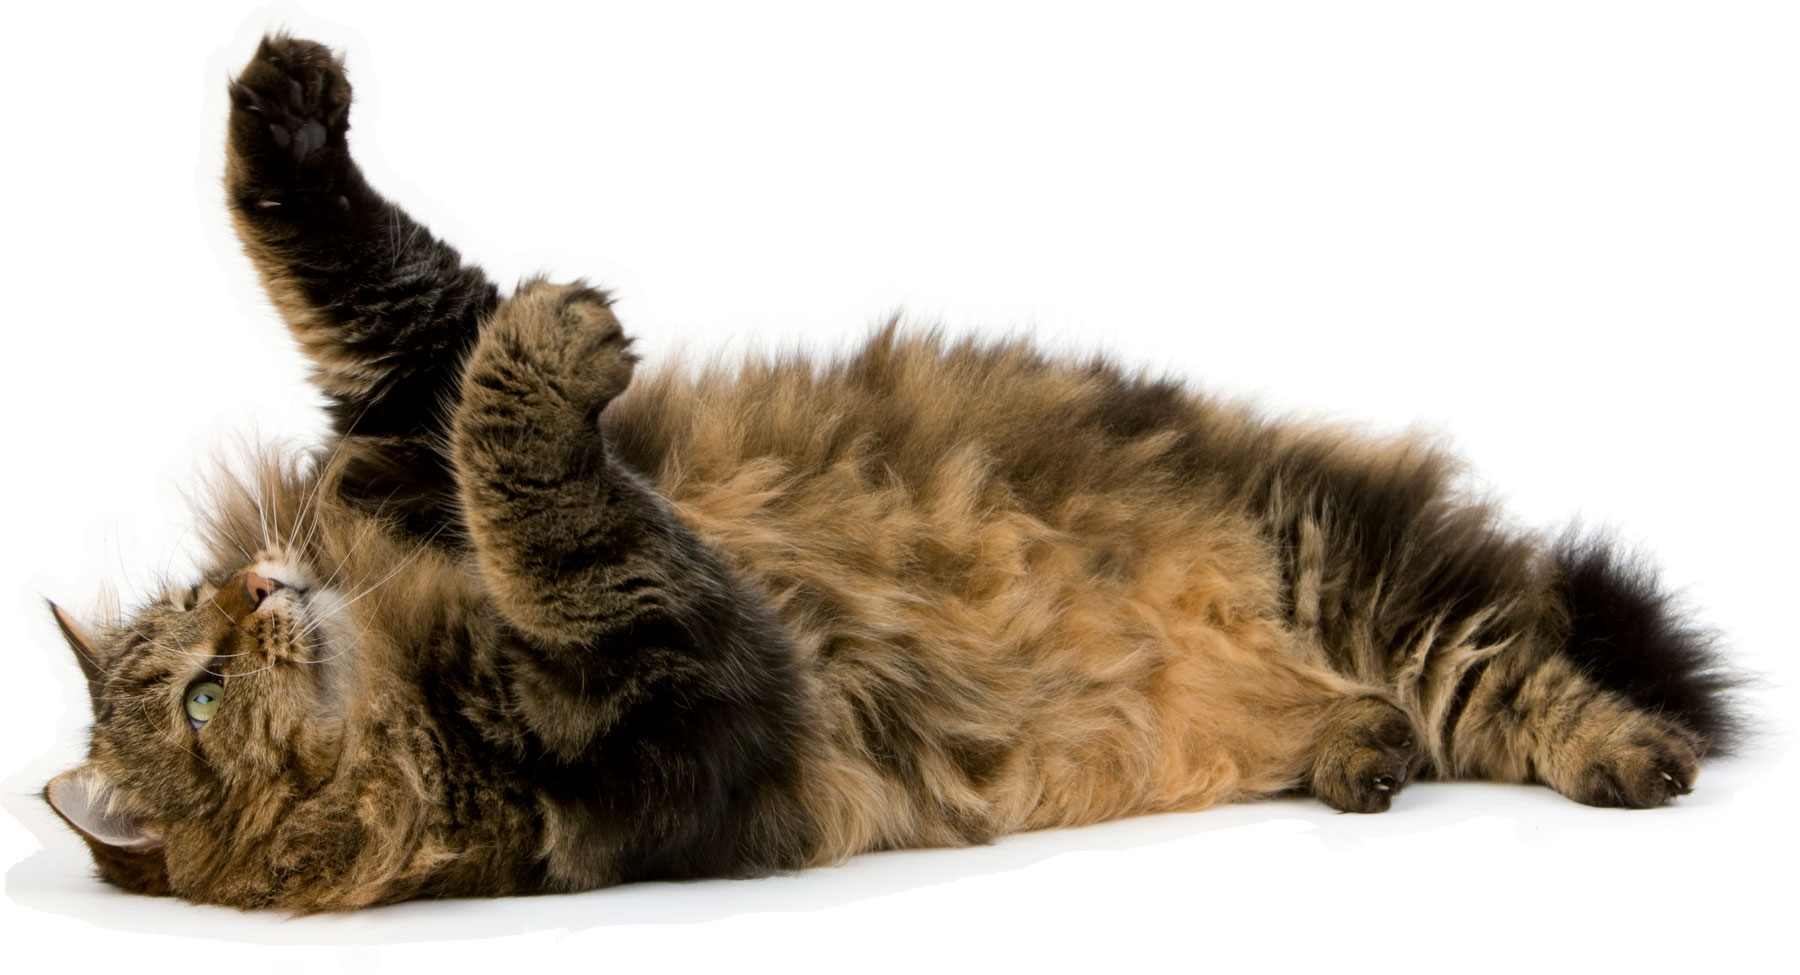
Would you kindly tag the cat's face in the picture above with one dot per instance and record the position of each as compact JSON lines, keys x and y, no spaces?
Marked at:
{"x":211,"y":706}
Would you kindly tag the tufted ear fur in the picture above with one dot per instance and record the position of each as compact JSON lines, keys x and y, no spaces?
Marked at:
{"x":82,"y":643}
{"x":87,"y":800}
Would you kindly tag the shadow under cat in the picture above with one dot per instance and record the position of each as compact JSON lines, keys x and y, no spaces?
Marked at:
{"x":56,"y":880}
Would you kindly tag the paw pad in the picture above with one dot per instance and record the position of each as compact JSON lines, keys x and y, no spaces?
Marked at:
{"x":290,"y":110}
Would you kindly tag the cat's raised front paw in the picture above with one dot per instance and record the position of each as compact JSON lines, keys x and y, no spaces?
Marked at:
{"x":290,"y":109}
{"x":555,"y":343}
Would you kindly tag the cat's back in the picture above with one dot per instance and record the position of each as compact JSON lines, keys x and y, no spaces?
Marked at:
{"x":930,"y":415}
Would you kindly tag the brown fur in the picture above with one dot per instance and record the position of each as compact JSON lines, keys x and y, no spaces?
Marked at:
{"x":1115,"y":651}
{"x":561,"y":627}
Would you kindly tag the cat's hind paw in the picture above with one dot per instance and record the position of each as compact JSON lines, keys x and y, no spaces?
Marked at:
{"x":1366,"y":756}
{"x":290,"y":109}
{"x":1626,"y":758}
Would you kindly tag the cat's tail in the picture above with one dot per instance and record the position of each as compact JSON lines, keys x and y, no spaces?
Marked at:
{"x":1611,"y":694}
{"x":1630,"y":635}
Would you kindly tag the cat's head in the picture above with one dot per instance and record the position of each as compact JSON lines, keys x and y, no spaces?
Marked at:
{"x":213,"y":707}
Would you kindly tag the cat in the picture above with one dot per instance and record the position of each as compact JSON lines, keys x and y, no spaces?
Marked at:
{"x":530,"y":622}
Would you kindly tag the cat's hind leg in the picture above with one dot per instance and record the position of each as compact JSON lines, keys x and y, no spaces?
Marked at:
{"x":1541,"y":718}
{"x":1521,"y":661}
{"x":1612,"y":702}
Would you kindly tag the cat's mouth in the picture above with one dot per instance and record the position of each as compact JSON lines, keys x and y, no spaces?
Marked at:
{"x":294,"y":620}
{"x":314,"y":614}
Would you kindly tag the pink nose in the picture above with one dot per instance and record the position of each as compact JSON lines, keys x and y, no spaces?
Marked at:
{"x":257,"y":587}
{"x":243,"y":593}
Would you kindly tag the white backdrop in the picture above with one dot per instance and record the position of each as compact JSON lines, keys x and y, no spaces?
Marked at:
{"x":1562,"y":234}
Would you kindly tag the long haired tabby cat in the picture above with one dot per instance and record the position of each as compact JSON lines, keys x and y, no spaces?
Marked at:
{"x":525,"y":624}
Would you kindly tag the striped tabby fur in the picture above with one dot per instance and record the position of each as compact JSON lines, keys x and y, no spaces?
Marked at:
{"x":530,"y":623}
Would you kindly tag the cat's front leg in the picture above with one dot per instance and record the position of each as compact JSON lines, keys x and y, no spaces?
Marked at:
{"x":384,"y":309}
{"x":661,"y":684}
{"x":573,"y":545}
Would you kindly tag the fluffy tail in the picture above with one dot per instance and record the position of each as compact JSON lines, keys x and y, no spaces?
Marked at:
{"x":1632,"y":637}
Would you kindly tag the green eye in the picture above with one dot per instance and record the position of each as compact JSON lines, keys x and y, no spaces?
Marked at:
{"x":202,"y":700}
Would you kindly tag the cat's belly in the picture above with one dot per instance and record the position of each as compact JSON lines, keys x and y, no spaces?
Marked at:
{"x":978,"y":670}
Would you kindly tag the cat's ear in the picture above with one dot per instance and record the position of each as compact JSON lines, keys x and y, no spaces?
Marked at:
{"x":82,"y":642}
{"x":87,"y":799}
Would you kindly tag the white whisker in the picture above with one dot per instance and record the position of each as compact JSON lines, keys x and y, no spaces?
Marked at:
{"x":144,"y":709}
{"x":262,"y":517}
{"x":177,"y":650}
{"x":351,"y":645}
{"x":374,"y":522}
{"x":235,"y":544}
{"x":384,"y":579}
{"x":310,"y":506}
